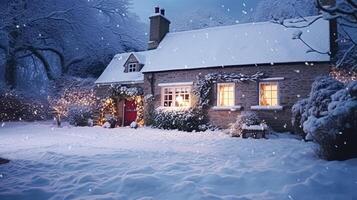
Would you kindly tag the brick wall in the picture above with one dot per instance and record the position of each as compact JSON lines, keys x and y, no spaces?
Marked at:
{"x":295,"y":86}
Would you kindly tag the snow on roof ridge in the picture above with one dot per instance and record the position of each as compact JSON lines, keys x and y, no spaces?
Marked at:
{"x":234,"y":26}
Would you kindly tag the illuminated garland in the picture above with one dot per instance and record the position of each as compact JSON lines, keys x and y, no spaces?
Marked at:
{"x":204,"y":86}
{"x":118,"y":92}
{"x":343,"y":76}
{"x":72,"y":97}
{"x":107,"y":106}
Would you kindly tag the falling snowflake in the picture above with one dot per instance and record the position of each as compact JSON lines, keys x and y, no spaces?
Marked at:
{"x":1,"y":176}
{"x":3,"y":124}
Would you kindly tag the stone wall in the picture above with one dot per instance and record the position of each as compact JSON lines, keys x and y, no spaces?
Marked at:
{"x":296,"y":85}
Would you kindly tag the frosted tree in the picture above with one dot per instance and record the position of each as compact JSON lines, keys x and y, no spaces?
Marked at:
{"x":201,"y":18}
{"x":276,"y":9}
{"x":344,"y":13}
{"x":82,"y":31}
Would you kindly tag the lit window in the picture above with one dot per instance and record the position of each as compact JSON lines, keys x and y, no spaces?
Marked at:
{"x":226,"y":95}
{"x":268,"y":93}
{"x":132,"y":67}
{"x":176,"y":96}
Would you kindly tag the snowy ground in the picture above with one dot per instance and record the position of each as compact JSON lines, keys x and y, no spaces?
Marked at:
{"x":97,"y":163}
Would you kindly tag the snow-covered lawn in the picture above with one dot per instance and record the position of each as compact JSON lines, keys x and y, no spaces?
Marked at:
{"x":97,"y":163}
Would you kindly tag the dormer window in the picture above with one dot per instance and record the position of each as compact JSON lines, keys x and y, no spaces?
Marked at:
{"x":132,"y":67}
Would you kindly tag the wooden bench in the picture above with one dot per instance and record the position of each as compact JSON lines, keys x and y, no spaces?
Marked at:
{"x":254,"y":131}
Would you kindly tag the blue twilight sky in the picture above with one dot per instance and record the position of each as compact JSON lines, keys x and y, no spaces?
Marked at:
{"x":234,"y":8}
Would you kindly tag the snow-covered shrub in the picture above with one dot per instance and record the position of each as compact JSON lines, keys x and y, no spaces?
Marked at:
{"x":320,"y":96}
{"x":72,"y":92}
{"x":298,"y":117}
{"x":184,"y":120}
{"x":316,"y":105}
{"x":79,"y":115}
{"x":244,"y":118}
{"x":328,"y":117}
{"x":336,"y":131}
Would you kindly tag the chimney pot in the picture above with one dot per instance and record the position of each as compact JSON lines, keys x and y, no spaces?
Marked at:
{"x":162,"y":12}
{"x":157,"y":9}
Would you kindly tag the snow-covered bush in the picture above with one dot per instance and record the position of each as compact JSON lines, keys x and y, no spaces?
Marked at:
{"x":298,"y":117}
{"x":320,"y":96}
{"x":336,"y":132}
{"x":71,"y":92}
{"x":244,"y":118}
{"x":328,"y":117}
{"x":184,"y":120}
{"x":316,"y":105}
{"x":79,"y":115}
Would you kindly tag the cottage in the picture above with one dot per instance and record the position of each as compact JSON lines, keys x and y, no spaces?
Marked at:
{"x":251,"y":67}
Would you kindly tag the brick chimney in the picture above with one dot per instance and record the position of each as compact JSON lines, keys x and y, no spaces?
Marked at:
{"x":159,"y":27}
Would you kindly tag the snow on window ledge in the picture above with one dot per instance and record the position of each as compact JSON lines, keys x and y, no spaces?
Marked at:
{"x":261,"y":127}
{"x":266,"y":107}
{"x":162,"y":108}
{"x":227,"y":108}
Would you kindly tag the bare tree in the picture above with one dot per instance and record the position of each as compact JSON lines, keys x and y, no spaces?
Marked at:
{"x":343,"y":18}
{"x":75,"y":31}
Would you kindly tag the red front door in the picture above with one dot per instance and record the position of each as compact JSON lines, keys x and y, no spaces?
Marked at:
{"x":129,"y":112}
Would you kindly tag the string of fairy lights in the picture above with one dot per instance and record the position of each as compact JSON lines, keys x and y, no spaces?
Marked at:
{"x":344,"y":76}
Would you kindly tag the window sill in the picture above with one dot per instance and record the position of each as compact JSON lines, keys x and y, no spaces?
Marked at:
{"x":162,"y":108}
{"x":228,"y":108}
{"x":266,"y":107}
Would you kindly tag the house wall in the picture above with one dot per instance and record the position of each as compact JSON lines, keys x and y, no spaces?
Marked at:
{"x":295,"y":86}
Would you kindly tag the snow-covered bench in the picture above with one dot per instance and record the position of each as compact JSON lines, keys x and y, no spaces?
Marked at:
{"x":254,"y":131}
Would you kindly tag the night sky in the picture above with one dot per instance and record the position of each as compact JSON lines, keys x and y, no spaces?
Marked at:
{"x":233,"y":8}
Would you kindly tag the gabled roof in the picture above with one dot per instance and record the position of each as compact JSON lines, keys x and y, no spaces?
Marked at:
{"x":242,"y":44}
{"x":114,"y":73}
{"x":237,"y":45}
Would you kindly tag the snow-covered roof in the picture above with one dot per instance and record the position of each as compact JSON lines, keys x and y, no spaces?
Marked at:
{"x":114,"y":73}
{"x":242,"y":44}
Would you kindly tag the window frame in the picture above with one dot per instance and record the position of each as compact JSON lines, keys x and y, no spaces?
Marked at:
{"x":174,"y":89}
{"x":277,"y":91}
{"x":218,"y":95}
{"x":133,"y":66}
